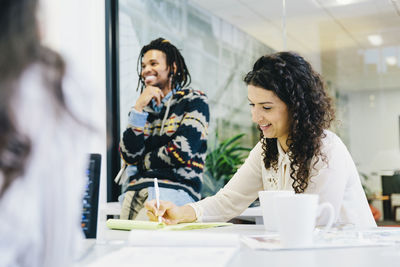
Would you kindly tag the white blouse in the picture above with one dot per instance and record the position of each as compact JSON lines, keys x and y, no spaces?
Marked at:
{"x":40,"y":212}
{"x":336,"y":182}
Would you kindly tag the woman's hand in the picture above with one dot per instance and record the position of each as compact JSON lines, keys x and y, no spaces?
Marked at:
{"x":170,"y":213}
{"x":148,"y":94}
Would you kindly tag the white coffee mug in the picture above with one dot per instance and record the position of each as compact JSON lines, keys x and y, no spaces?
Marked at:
{"x":296,"y":218}
{"x":267,"y":199}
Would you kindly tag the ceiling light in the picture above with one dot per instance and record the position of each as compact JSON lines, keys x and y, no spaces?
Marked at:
{"x":343,"y":2}
{"x":375,"y":39}
{"x":391,"y":61}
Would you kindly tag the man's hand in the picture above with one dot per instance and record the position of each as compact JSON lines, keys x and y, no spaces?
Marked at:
{"x":149,"y":93}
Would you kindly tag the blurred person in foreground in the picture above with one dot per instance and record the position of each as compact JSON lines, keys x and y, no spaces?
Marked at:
{"x":296,"y":151}
{"x":42,"y":162}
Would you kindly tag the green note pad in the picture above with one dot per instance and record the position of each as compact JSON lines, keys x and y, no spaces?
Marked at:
{"x":129,"y":225}
{"x":117,"y":224}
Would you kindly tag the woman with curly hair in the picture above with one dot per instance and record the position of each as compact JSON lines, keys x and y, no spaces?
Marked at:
{"x":296,"y":151}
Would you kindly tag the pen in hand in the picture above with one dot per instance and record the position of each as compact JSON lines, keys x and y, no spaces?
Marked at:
{"x":157,"y":191}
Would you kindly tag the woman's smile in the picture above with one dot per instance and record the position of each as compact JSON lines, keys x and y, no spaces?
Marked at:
{"x":265,"y":127}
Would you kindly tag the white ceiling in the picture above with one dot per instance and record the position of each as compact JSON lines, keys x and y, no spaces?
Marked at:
{"x":332,"y":34}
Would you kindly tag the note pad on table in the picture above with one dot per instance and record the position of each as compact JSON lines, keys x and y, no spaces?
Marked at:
{"x":118,"y":224}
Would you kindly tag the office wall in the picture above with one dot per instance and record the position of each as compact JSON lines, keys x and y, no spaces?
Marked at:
{"x":372,"y":124}
{"x":374,"y":115}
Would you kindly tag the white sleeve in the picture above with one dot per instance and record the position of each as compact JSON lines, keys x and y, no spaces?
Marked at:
{"x":237,"y":195}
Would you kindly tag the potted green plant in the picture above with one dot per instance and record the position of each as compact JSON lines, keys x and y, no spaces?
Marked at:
{"x":222,"y":162}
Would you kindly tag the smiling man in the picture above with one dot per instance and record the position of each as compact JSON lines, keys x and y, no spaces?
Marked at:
{"x":166,"y":136}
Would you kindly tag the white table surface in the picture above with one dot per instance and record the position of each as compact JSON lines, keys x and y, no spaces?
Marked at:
{"x":387,"y":256}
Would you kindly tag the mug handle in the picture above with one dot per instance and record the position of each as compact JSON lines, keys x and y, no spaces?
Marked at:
{"x":327,"y":206}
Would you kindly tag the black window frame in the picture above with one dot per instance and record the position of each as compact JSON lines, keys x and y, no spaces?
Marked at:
{"x":112,"y":98}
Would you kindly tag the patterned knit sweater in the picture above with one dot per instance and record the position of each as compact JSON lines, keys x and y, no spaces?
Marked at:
{"x":173,"y":151}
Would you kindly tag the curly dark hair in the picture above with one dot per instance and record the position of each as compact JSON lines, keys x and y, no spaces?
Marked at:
{"x":182,"y":75}
{"x":295,"y":82}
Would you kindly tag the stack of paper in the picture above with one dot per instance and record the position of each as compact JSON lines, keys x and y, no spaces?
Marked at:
{"x":184,"y":238}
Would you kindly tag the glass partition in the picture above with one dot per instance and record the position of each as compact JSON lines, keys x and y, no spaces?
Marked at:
{"x":218,"y":56}
{"x":354,"y":44}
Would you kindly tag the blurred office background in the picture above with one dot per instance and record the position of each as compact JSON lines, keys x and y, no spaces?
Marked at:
{"x":354,"y":44}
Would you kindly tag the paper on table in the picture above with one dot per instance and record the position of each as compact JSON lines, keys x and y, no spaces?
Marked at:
{"x":194,"y":226}
{"x":273,"y":243}
{"x":147,"y":225}
{"x":167,"y":257}
{"x":329,"y":239}
{"x":183,"y":239}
